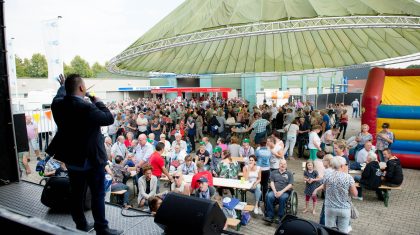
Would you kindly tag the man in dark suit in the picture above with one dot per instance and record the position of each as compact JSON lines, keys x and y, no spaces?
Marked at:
{"x":80,"y":145}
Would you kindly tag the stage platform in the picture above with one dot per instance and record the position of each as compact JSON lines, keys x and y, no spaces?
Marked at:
{"x":25,"y":198}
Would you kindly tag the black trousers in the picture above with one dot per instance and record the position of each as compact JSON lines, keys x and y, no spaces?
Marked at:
{"x":301,"y":147}
{"x":79,"y":180}
{"x":191,"y":137}
{"x":43,"y":135}
{"x":265,"y":176}
{"x":343,"y":127}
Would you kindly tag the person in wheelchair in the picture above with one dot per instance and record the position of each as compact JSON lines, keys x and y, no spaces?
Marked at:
{"x":281,"y":184}
{"x":55,"y":168}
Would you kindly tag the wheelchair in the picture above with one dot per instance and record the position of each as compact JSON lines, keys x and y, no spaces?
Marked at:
{"x":291,"y":203}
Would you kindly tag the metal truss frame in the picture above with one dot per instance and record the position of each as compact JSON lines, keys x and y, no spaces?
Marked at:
{"x":256,"y":29}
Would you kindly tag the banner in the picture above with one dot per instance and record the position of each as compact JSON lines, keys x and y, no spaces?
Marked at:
{"x":11,"y":63}
{"x":52,"y":49}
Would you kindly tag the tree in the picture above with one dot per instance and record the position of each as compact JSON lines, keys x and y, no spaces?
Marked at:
{"x":20,"y":67}
{"x":81,"y":67}
{"x":67,"y":69}
{"x":414,"y":66}
{"x":26,"y":64}
{"x":37,"y":67}
{"x":97,"y":69}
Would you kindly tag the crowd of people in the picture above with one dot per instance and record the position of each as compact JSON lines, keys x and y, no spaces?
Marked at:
{"x":167,"y":140}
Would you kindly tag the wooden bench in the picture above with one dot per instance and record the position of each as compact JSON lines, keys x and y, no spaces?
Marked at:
{"x":355,"y":172}
{"x":386,"y":190}
{"x":231,"y":222}
{"x":121,"y":192}
{"x":249,"y":208}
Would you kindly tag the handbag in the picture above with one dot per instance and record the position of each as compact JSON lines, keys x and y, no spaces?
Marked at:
{"x":245,"y":217}
{"x":56,"y":194}
{"x":354,"y":213}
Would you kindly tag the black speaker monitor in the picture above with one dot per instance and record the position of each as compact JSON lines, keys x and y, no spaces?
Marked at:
{"x":291,"y":225}
{"x":202,"y":216}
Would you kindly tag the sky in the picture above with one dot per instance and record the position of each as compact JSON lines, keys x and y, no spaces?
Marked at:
{"x":97,"y":30}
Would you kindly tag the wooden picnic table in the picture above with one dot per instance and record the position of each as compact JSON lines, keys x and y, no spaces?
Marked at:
{"x":234,"y":124}
{"x":241,"y":133}
{"x":223,"y":182}
{"x":386,"y":190}
{"x":238,"y":159}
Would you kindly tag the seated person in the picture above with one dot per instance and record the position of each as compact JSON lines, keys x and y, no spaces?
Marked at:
{"x":177,"y":131}
{"x":234,"y":147}
{"x":221,"y":142}
{"x":370,"y":178}
{"x":188,"y":167}
{"x":228,"y":169}
{"x":176,"y":158}
{"x":393,"y":175}
{"x":119,"y":175}
{"x":201,"y":173}
{"x":119,"y":148}
{"x":246,"y":150}
{"x":154,"y":204}
{"x":328,"y":138}
{"x":252,"y":173}
{"x":147,"y":185}
{"x":55,"y":168}
{"x":215,"y":160}
{"x":130,"y":160}
{"x":230,"y":120}
{"x":132,"y":148}
{"x":203,"y":156}
{"x":179,"y":185}
{"x":281,"y":184}
{"x":318,"y":163}
{"x":209,"y":146}
{"x":361,"y":156}
{"x":204,"y":190}
{"x":151,"y":139}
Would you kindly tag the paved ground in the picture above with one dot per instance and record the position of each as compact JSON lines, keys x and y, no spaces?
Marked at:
{"x":401,"y":217}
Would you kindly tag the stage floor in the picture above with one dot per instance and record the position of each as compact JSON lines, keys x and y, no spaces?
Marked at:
{"x":25,"y":198}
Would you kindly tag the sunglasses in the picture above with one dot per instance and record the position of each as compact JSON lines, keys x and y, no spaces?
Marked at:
{"x":177,"y":177}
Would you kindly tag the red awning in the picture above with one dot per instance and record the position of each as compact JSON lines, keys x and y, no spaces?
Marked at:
{"x":191,"y":90}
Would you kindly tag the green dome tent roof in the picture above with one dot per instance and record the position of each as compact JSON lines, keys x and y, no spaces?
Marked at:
{"x":238,"y":36}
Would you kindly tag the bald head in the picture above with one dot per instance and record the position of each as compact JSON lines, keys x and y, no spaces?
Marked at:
{"x":121,"y":139}
{"x":142,"y":139}
{"x":283,"y":165}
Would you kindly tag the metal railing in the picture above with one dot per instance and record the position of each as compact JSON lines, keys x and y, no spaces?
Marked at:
{"x":256,"y":29}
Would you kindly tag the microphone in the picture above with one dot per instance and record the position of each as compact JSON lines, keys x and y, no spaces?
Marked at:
{"x":91,"y":96}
